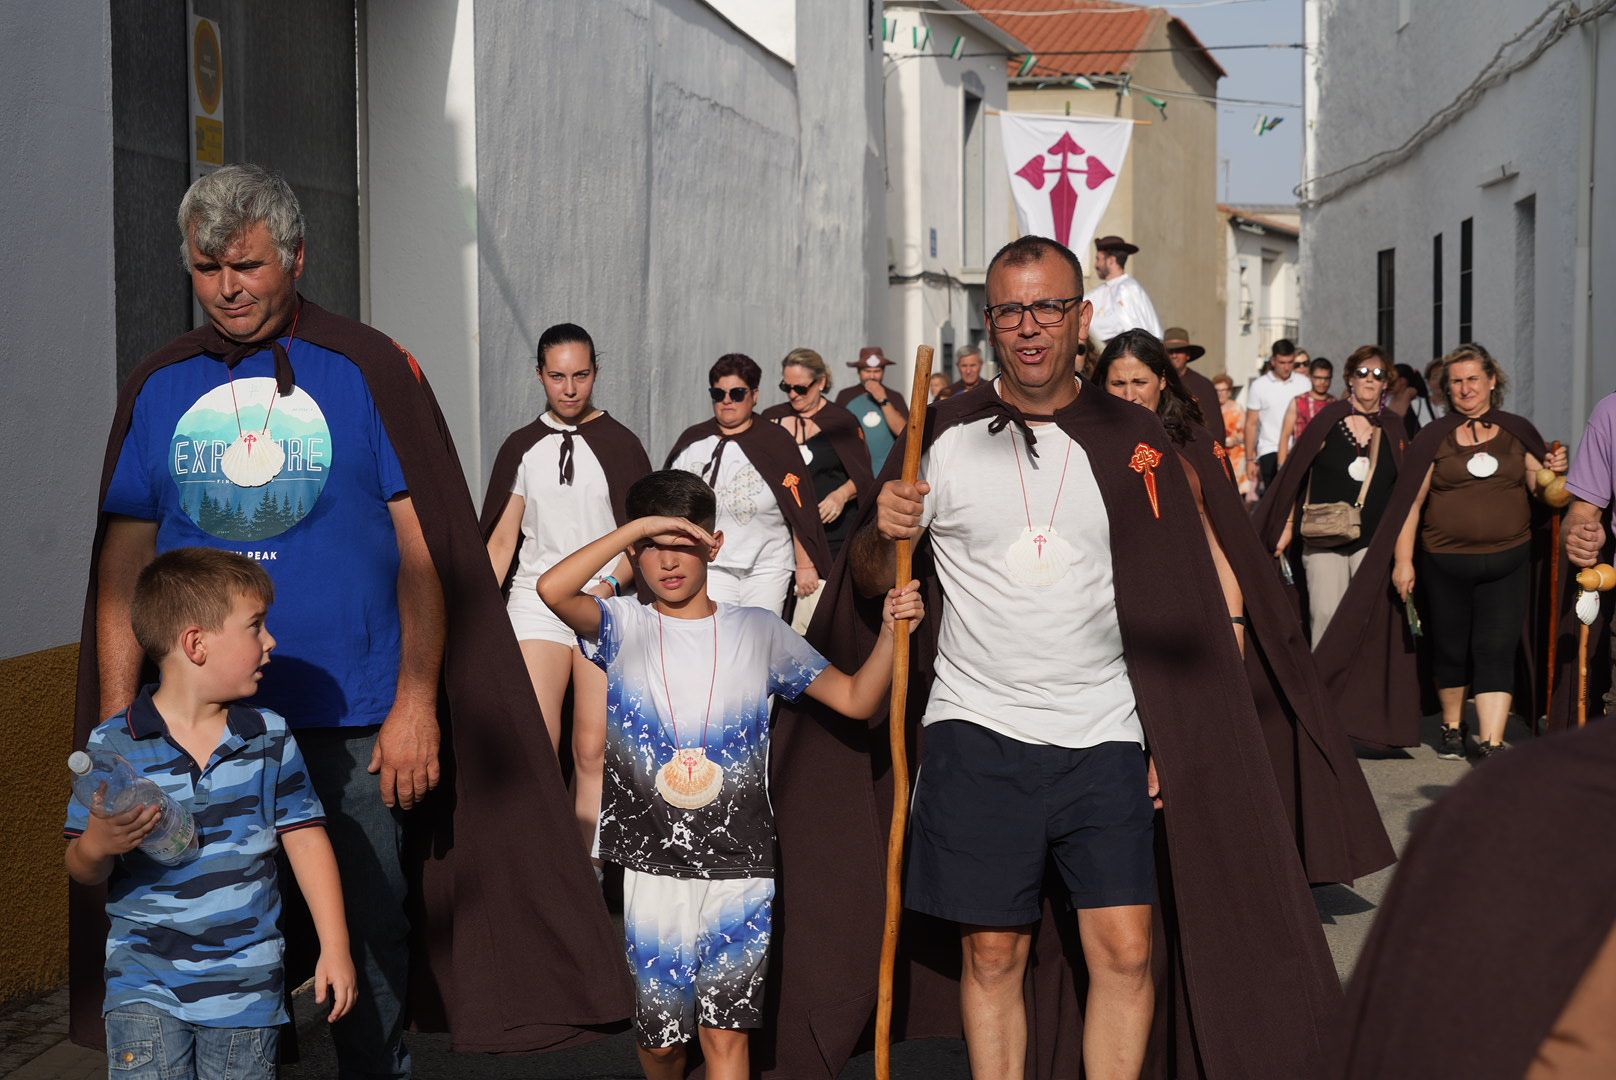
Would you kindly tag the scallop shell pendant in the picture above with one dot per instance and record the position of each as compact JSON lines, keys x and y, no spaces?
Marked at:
{"x":1482,"y":465}
{"x":872,"y":419}
{"x":690,"y":781}
{"x":1039,"y":557}
{"x":253,"y":460}
{"x":807,"y":454}
{"x":1358,"y":469}
{"x":1587,"y":607}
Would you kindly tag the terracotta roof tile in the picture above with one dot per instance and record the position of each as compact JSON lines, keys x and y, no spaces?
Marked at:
{"x":1109,"y":34}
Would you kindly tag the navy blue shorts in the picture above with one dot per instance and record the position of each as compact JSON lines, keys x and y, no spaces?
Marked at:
{"x":989,"y":811}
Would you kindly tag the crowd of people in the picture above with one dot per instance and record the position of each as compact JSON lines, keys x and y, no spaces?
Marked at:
{"x":1149,"y":621}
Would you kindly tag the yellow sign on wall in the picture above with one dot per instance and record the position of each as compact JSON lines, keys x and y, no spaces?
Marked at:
{"x":205,"y":77}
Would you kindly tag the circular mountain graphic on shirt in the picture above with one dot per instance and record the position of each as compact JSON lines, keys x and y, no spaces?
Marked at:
{"x":251,"y":411}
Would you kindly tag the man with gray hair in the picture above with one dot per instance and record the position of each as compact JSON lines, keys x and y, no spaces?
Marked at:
{"x":312,"y":443}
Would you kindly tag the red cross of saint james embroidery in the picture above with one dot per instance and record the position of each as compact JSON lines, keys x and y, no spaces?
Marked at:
{"x":1223,"y":455}
{"x":1144,"y":462}
{"x":791,"y":481}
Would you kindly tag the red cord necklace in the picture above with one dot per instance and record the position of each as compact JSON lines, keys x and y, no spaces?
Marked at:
{"x":689,"y":781}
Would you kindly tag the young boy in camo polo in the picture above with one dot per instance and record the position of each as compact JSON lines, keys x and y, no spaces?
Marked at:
{"x":194,"y":976}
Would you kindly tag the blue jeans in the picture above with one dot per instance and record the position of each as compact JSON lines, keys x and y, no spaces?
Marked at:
{"x":367,"y":838}
{"x":146,"y":1043}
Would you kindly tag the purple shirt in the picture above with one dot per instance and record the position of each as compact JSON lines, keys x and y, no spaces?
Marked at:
{"x":1591,"y":477}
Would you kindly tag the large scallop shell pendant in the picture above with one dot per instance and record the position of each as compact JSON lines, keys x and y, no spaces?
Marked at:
{"x":690,"y":781}
{"x":1039,"y":558}
{"x":1482,"y":465}
{"x":1358,"y":469}
{"x":1587,"y":607}
{"x":807,"y":454}
{"x":253,"y":460}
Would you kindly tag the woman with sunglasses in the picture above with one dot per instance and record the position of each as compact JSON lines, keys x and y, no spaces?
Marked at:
{"x":1337,"y":826}
{"x":1348,"y":454}
{"x":557,"y":483}
{"x":774,"y":546}
{"x":830,"y":441}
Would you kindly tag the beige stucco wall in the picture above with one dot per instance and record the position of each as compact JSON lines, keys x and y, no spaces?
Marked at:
{"x":1166,"y":195}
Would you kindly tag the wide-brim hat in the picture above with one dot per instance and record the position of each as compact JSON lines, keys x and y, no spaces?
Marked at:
{"x":870,"y":357}
{"x":1177,"y":339}
{"x":1115,"y":243}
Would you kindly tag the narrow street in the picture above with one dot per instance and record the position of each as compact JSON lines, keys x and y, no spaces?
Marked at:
{"x":1405,"y":784}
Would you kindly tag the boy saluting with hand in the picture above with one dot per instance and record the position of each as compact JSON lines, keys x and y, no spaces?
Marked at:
{"x":685,"y":808}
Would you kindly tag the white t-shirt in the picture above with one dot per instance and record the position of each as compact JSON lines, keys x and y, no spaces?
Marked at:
{"x":557,"y":518}
{"x":1271,"y":397}
{"x":757,"y":657}
{"x":1121,"y":304}
{"x":756,"y":536}
{"x":1040,"y":663}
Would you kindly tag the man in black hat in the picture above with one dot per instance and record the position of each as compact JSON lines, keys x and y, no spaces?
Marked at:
{"x":1182,"y":353}
{"x":1120,"y":302}
{"x":881,"y":413}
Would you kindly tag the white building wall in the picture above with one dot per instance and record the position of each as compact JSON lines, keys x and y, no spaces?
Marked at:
{"x":58,"y":320}
{"x":935,"y":295}
{"x":1273,"y":303}
{"x":1529,"y":129}
{"x":650,"y":172}
{"x":418,"y":199}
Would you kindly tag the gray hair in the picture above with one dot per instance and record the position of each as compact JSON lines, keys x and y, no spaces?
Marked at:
{"x":222,"y":205}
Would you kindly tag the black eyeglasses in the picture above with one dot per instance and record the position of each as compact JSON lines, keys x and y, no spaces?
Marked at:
{"x":736,"y":393}
{"x":1371,"y":373}
{"x":794,"y":390}
{"x":1044,"y":312}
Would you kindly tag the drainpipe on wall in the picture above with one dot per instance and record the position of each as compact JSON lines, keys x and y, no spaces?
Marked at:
{"x":1582,"y":306}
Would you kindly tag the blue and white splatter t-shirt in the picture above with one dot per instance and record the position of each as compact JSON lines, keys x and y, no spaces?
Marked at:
{"x":757,"y":656}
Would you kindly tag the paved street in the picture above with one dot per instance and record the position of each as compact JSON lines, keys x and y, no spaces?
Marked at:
{"x":1404,"y":784}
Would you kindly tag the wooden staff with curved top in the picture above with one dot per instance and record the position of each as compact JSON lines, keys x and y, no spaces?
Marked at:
{"x":897,"y":735}
{"x":1552,"y":490}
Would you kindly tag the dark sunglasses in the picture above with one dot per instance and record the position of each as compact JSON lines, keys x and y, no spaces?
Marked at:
{"x":796,"y":391}
{"x":736,"y":393}
{"x":1371,"y":373}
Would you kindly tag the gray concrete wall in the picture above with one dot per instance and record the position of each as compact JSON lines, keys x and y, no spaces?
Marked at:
{"x":1532,"y":123}
{"x":649,"y":172}
{"x":56,"y":367}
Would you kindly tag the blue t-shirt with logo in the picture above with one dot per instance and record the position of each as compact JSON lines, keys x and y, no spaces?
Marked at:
{"x":320,"y":525}
{"x":201,"y":940}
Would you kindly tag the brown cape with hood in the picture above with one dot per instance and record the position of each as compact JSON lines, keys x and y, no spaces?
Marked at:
{"x":1338,"y":827}
{"x":775,"y":456}
{"x":848,"y":393}
{"x":1368,"y":660}
{"x":1440,"y":990}
{"x":514,"y":948}
{"x":846,"y":437}
{"x":1201,"y":388}
{"x":1282,"y":501}
{"x":1247,"y":987}
{"x":620,"y":453}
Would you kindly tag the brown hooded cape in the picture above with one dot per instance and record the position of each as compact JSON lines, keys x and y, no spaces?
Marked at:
{"x":848,"y":393}
{"x":1338,"y":827}
{"x":620,"y":453}
{"x":1247,"y":984}
{"x":1369,"y":660}
{"x":775,"y":456}
{"x":842,"y":428}
{"x":1441,"y":989}
{"x":1200,"y":388}
{"x":1282,"y":501}
{"x":514,"y":949}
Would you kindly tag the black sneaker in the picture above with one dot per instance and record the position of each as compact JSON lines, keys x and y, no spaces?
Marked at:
{"x":1451,"y":743}
{"x":1485,"y":750}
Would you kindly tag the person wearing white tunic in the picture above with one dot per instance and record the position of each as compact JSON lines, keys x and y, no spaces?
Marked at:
{"x":552,"y":516}
{"x":1120,"y":302}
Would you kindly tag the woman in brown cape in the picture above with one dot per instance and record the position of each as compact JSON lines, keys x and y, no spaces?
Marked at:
{"x":1338,"y":828}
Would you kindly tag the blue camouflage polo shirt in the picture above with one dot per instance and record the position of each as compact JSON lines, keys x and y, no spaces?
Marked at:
{"x":200,"y":940}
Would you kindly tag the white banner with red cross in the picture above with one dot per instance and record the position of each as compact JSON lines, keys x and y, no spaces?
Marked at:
{"x":1063,"y":170}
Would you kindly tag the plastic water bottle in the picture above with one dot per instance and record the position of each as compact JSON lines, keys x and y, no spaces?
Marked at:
{"x":172,"y":842}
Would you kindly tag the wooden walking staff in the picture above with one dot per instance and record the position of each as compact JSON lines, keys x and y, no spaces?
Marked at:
{"x":1591,"y":582}
{"x":898,"y":736}
{"x":1552,"y":490}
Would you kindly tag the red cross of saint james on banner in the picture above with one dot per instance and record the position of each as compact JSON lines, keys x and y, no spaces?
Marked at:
{"x":1062,"y":195}
{"x":1144,"y":462}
